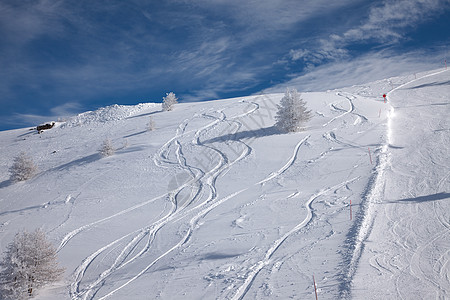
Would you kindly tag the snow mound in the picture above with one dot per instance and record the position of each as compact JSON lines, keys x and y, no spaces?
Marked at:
{"x":109,"y":113}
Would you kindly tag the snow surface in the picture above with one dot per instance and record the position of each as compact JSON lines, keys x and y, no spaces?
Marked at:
{"x":216,"y":204}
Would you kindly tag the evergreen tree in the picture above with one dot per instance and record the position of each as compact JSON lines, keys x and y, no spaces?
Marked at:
{"x":292,"y":112}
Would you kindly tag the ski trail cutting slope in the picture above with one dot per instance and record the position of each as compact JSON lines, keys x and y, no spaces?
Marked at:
{"x":408,"y":211}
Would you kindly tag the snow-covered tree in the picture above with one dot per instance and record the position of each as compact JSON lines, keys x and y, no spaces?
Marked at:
{"x":23,"y":168}
{"x":30,"y":262}
{"x":151,"y":124}
{"x":107,"y":148}
{"x":292,"y":112}
{"x":169,"y":101}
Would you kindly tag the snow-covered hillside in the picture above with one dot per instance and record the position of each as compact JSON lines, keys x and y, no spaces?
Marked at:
{"x":216,"y":204}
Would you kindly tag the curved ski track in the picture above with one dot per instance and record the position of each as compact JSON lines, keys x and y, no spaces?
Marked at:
{"x":200,"y":180}
{"x":256,"y":268}
{"x":382,"y":263}
{"x":267,"y":260}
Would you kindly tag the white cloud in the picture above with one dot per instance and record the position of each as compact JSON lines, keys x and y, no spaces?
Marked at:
{"x":66,"y":109}
{"x":387,"y":21}
{"x":22,"y":23}
{"x":326,"y":51}
{"x":19,"y":119}
{"x":367,"y":68}
{"x":298,"y":54}
{"x":57,"y":112}
{"x":384,"y":24}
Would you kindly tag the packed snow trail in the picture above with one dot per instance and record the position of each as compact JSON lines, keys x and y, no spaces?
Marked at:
{"x":406,"y":255}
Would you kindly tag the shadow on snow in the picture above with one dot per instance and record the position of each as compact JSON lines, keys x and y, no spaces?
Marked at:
{"x":427,"y":198}
{"x":430,"y":85}
{"x":243,"y":135}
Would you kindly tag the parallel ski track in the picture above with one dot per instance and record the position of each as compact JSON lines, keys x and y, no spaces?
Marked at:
{"x":91,"y":290}
{"x":150,"y":230}
{"x":205,"y":206}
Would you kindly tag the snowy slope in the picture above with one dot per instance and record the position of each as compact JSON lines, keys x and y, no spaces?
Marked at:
{"x":216,"y":204}
{"x":407,"y":254}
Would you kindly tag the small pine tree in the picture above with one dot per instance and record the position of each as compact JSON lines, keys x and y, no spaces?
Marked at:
{"x":23,"y":168}
{"x":169,"y":101}
{"x":151,"y":124}
{"x":30,"y":262}
{"x":292,"y":112}
{"x":107,"y":148}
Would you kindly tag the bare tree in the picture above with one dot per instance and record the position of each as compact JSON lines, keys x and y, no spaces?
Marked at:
{"x":292,"y":112}
{"x":169,"y":101}
{"x":23,"y":168}
{"x":30,"y":262}
{"x":107,"y":148}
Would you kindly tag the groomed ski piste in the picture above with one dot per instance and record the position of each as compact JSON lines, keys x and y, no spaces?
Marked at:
{"x":215,"y":203}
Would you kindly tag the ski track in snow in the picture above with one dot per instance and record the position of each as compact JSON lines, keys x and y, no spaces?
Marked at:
{"x":351,"y":108}
{"x":419,"y":254}
{"x":163,"y":159}
{"x":205,"y":206}
{"x":288,"y":164}
{"x":393,"y":265}
{"x":256,"y":268}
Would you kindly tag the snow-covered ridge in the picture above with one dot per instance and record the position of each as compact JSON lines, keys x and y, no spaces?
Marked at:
{"x":113,"y":112}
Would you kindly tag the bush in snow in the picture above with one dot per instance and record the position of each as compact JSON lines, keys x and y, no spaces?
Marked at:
{"x":23,"y":168}
{"x":292,"y":112}
{"x":151,"y":124}
{"x":107,"y":148}
{"x":30,"y":262}
{"x":169,"y":101}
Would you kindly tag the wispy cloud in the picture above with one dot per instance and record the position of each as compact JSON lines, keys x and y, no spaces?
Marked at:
{"x":326,"y":51}
{"x":363,"y":69}
{"x":66,"y":109}
{"x":22,"y":23}
{"x":56,"y":113}
{"x":385,"y":24}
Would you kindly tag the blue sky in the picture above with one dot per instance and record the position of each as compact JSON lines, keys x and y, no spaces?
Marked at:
{"x":60,"y":58}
